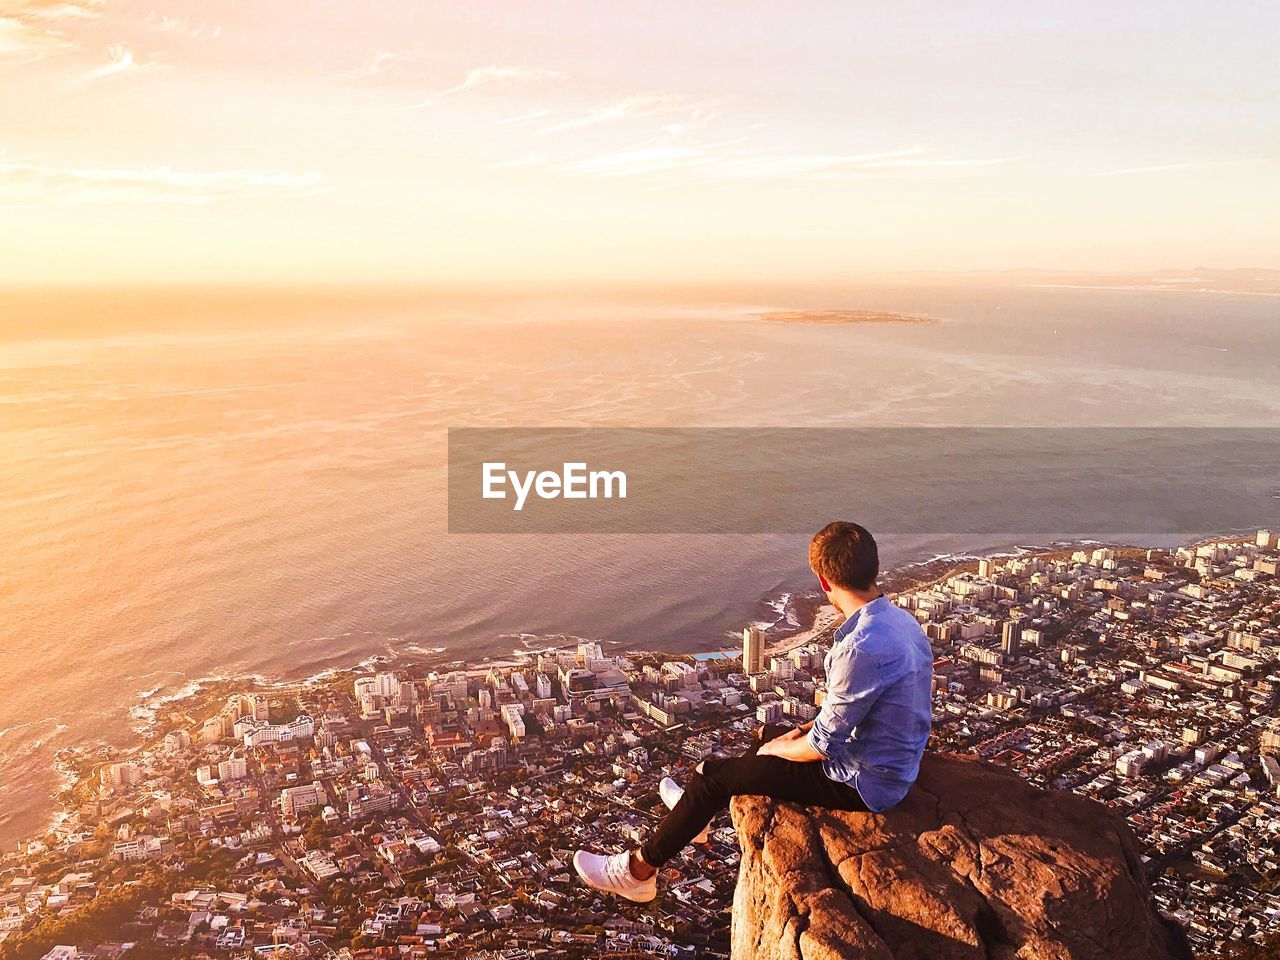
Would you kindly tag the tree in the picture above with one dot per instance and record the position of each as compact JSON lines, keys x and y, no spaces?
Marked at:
{"x":1266,"y":948}
{"x":98,"y":918}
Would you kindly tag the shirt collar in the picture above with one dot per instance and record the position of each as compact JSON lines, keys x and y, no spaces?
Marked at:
{"x":848,"y":626}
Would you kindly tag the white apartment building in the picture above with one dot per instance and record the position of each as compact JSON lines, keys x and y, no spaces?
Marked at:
{"x":294,"y":800}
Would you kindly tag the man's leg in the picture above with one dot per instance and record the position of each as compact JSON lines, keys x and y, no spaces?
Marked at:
{"x":671,"y":792}
{"x":722,"y":779}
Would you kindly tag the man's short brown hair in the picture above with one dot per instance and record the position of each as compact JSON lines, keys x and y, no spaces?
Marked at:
{"x":845,"y":555}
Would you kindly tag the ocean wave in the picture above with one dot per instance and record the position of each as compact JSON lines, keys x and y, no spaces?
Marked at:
{"x":14,"y":728}
{"x":425,"y":651}
{"x":544,"y":642}
{"x":786,"y":615}
{"x":148,"y":703}
{"x":361,"y":666}
{"x":25,"y":750}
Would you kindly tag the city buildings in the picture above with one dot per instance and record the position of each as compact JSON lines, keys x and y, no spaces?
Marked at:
{"x":433,"y":809}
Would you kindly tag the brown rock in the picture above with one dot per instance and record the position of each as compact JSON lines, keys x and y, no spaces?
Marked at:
{"x":975,"y":864}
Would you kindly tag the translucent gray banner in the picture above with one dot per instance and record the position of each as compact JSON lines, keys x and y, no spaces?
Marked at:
{"x":911,"y":480}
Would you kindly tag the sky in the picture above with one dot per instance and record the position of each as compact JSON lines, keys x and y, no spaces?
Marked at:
{"x":496,"y":143}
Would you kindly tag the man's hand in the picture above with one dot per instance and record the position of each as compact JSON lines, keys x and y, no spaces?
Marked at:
{"x":764,"y":728}
{"x":792,"y":745}
{"x":791,"y":734}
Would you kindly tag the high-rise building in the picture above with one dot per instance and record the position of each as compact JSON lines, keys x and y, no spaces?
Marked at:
{"x":1010,"y":637}
{"x":1130,"y":764}
{"x":124,"y":774}
{"x":1265,"y":539}
{"x":177,"y":741}
{"x":752,"y":651}
{"x":235,"y":768}
{"x":542,"y":686}
{"x":511,"y":715}
{"x":770,"y":712}
{"x":260,"y":706}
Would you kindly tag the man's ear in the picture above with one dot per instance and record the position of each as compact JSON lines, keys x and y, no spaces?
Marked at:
{"x":826,"y":587}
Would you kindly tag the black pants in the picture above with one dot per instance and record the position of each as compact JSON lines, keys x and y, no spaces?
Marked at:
{"x":709,"y":792}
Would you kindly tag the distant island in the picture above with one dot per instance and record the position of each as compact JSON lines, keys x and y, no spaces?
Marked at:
{"x":841,"y":317}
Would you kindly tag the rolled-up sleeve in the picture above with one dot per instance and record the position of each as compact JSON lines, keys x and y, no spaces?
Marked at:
{"x":853,"y":684}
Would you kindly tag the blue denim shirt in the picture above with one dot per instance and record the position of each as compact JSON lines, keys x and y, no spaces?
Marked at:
{"x":874,"y":722}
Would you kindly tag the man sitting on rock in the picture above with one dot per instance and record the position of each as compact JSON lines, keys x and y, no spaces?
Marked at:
{"x":863,"y":750}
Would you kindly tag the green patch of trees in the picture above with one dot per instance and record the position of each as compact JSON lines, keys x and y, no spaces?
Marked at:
{"x":95,"y":920}
{"x":1266,"y":948}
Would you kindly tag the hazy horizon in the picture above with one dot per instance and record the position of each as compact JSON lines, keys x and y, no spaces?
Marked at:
{"x":578,"y":143}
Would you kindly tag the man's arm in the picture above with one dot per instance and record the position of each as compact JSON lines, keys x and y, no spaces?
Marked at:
{"x":854,"y":683}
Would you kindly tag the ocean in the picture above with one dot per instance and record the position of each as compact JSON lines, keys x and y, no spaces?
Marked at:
{"x":213,"y":483}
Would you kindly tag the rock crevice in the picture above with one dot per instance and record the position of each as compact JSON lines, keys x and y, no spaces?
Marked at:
{"x":975,"y":864}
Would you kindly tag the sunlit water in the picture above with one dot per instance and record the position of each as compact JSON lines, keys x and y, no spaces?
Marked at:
{"x":255,"y":486}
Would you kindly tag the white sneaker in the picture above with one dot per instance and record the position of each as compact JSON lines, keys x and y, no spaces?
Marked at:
{"x":613,"y":875}
{"x":671,"y":792}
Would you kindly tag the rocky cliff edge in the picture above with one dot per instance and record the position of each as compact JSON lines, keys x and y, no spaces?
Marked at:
{"x":975,"y":864}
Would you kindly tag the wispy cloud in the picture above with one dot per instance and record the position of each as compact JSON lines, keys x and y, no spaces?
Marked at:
{"x":528,"y":161}
{"x":1175,"y":167}
{"x":378,"y":64}
{"x":699,"y":117}
{"x":636,"y":105}
{"x":51,"y":9}
{"x":493,"y":77}
{"x":521,"y":118}
{"x":121,"y":63}
{"x":27,"y":42}
{"x":25,"y":184}
{"x":26,"y":27}
{"x":179,"y":26}
{"x":669,"y":163}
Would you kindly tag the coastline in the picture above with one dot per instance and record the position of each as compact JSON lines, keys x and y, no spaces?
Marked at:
{"x":76,"y":766}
